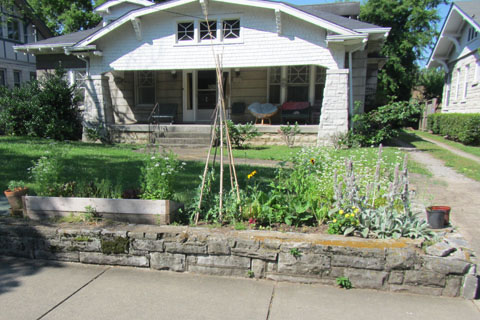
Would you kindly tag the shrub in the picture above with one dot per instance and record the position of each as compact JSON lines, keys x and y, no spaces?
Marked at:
{"x":46,"y":174}
{"x":288,"y":133}
{"x":44,"y":108}
{"x":461,"y":127}
{"x":240,"y":133}
{"x":376,"y":126}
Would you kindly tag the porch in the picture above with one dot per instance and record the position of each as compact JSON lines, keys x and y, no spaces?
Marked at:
{"x":198,"y":135}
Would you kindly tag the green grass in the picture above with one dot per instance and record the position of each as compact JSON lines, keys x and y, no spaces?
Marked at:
{"x":462,"y":165}
{"x":473,"y":150}
{"x":278,"y":153}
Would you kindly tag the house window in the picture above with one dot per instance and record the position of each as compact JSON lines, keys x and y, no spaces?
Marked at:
{"x":3,"y":82}
{"x":275,"y":78}
{"x":208,"y":30}
{"x":17,"y":78}
{"x":231,"y":29}
{"x":320,"y":78}
{"x":145,"y":87}
{"x":477,"y":71}
{"x":457,"y":86}
{"x":13,"y":28}
{"x":448,"y":88}
{"x":472,"y":34}
{"x":185,"y":31}
{"x":33,"y":76}
{"x":465,"y":81}
{"x":297,"y":89}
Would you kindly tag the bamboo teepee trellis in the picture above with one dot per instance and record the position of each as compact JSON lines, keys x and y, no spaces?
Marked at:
{"x":219,"y":121}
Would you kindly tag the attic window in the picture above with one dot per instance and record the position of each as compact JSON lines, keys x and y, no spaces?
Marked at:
{"x":185,"y":31}
{"x":472,"y":34}
{"x":208,"y":30}
{"x":231,"y":29}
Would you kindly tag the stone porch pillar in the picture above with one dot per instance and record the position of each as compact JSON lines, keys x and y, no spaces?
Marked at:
{"x":98,"y":102}
{"x":334,"y":118}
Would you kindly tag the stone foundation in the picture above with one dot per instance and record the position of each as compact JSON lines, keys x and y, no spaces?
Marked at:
{"x":389,"y":265}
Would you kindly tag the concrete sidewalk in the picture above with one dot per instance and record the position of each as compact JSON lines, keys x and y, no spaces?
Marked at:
{"x":33,"y":289}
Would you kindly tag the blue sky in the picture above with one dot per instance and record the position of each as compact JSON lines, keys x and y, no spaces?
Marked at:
{"x":442,"y":10}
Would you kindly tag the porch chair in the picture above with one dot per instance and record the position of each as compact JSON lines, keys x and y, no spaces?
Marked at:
{"x":262,"y":111}
{"x":163,"y":113}
{"x":296,"y":111}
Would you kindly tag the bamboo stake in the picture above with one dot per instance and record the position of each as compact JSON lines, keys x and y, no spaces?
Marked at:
{"x":197,"y":214}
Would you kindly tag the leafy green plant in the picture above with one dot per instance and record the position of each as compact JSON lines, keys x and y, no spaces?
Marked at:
{"x":344,"y":221}
{"x":158,"y":174}
{"x":250,"y":274}
{"x":91,"y":215}
{"x":16,"y":185}
{"x":464,"y":128}
{"x":45,"y":108}
{"x":344,"y":282}
{"x":295,"y":253}
{"x":288,"y":133}
{"x":241,"y":133}
{"x":97,"y":132}
{"x":47,"y":174}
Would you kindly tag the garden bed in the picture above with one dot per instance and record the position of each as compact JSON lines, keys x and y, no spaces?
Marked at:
{"x":124,"y":210}
{"x":390,"y":265}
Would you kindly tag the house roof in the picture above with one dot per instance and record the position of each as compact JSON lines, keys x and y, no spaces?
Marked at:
{"x":112,"y":3}
{"x":344,"y":27}
{"x":459,"y":14}
{"x":338,"y":8}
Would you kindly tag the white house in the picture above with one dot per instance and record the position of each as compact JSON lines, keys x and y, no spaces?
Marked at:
{"x":274,"y":52}
{"x":18,"y":26}
{"x":456,"y":51}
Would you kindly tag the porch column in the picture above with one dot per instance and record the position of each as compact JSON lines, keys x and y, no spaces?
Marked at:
{"x":98,"y":102}
{"x":334,"y":118}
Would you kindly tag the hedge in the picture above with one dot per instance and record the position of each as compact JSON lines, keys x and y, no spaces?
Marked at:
{"x":462,"y":127}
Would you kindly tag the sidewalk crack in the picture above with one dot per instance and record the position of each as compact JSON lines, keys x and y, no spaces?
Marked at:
{"x":271,"y":300}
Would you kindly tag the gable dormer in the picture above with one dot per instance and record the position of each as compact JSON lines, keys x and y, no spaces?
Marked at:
{"x":114,"y":9}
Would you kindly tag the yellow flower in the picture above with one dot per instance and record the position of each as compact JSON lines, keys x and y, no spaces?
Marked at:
{"x":254,"y":172}
{"x":352,"y":215}
{"x":334,"y":220}
{"x":341,"y":211}
{"x":353,"y":208}
{"x":357,"y":210}
{"x":347,"y":215}
{"x":312,"y":161}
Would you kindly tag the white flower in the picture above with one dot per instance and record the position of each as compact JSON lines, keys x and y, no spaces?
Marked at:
{"x":157,"y":164}
{"x":152,"y":158}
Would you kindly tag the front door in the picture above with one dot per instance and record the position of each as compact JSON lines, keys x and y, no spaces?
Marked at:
{"x":200,"y":94}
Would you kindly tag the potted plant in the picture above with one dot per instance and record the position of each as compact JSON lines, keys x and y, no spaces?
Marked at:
{"x":438,"y":216}
{"x":16,"y":190}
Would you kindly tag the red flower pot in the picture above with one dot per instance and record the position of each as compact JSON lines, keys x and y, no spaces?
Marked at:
{"x":15,"y":198}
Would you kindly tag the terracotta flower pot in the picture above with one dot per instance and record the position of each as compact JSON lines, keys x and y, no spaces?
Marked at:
{"x":15,"y":198}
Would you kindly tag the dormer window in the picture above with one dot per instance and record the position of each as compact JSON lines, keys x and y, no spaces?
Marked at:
{"x":231,"y":29}
{"x":185,"y":31}
{"x":208,"y":30}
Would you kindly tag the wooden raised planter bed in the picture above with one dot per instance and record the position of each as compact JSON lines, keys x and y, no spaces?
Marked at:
{"x":123,"y":210}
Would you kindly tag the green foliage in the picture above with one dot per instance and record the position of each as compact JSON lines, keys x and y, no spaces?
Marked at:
{"x":376,"y":126}
{"x":295,"y":253}
{"x":64,"y":16}
{"x":250,"y":274}
{"x":413,"y":26}
{"x":241,"y":133}
{"x":288,"y":133}
{"x":44,"y":108}
{"x":46,"y":174}
{"x":432,"y":81}
{"x":461,"y":127}
{"x":15,"y":185}
{"x":344,"y":282}
{"x":343,"y":222}
{"x":158,"y":175}
{"x":91,"y":215}
{"x":116,"y":245}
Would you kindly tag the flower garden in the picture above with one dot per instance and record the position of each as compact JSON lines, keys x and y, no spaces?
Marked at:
{"x":357,"y":192}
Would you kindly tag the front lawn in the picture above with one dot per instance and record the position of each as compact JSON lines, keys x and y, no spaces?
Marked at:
{"x":474,"y":150}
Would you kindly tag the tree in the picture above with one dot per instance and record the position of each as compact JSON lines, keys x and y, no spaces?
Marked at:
{"x":66,"y":16}
{"x":413,"y":28}
{"x":432,"y":81}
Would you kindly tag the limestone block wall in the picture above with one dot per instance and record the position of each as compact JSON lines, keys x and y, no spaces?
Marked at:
{"x":334,"y":118}
{"x":389,"y":265}
{"x":97,"y":100}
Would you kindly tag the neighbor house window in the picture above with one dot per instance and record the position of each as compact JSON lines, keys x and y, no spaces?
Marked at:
{"x":33,"y":76}
{"x":472,"y":34}
{"x":3,"y":82}
{"x":208,"y":30}
{"x":275,"y":78}
{"x":320,"y":78}
{"x":17,"y":78}
{"x":477,"y":71}
{"x":297,"y":77}
{"x":185,"y":31}
{"x":146,"y":87}
{"x":448,"y":88}
{"x":13,"y":28}
{"x":465,"y":81}
{"x":231,"y":29}
{"x":457,"y":86}
{"x":77,"y":78}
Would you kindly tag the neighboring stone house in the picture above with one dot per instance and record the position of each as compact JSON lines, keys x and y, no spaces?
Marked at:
{"x":274,"y":52}
{"x":18,"y":26}
{"x":456,"y":51}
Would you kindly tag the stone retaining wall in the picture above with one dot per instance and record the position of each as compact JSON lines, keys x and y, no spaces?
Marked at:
{"x":390,"y":265}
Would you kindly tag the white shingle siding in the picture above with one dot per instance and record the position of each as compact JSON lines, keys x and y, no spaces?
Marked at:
{"x":301,"y":43}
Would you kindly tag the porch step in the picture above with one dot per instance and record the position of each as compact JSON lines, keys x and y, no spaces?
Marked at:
{"x":178,"y":138}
